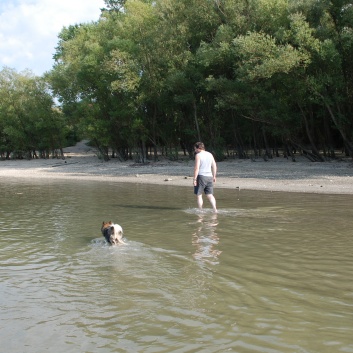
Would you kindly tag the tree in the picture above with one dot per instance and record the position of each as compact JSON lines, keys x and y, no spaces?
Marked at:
{"x":83,"y":79}
{"x":236,"y":73}
{"x":28,"y":120}
{"x":114,"y":5}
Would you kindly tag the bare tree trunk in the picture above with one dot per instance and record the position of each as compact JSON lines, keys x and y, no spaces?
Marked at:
{"x":256,"y":150}
{"x":308,"y":133}
{"x":237,"y":140}
{"x":196,"y":121}
{"x":143,"y":151}
{"x":268,"y":153}
{"x":347,"y":143}
{"x":330,"y":144}
{"x":288,"y":150}
{"x":154,"y":133}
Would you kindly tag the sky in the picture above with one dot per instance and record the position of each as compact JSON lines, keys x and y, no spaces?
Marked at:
{"x":29,"y":30}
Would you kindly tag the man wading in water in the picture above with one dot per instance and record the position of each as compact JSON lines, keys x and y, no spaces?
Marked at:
{"x":204,"y":175}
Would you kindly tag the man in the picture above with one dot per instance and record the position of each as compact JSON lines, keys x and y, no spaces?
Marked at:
{"x":204,"y":175}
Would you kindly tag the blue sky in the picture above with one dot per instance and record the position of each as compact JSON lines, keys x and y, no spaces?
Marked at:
{"x":29,"y":29}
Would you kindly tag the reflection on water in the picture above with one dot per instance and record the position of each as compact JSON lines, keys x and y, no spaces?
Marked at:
{"x":271,"y":272}
{"x":205,"y":238}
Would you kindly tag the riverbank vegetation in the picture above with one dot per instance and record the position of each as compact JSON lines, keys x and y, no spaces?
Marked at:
{"x":249,"y":78}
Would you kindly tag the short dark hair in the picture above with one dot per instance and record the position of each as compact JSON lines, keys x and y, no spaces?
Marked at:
{"x":199,"y":145}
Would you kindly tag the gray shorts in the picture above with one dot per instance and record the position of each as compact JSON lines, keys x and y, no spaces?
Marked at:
{"x":204,"y":184}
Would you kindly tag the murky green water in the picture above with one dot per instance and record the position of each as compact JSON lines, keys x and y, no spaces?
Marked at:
{"x":272,"y":272}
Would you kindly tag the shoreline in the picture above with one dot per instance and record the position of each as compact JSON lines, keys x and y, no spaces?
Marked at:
{"x":277,"y":174}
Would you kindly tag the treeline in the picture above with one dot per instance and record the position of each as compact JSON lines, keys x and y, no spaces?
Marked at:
{"x":30,"y":125}
{"x":246,"y":77}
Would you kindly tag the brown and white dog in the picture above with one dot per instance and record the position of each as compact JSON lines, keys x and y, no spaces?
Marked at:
{"x":113,"y":233}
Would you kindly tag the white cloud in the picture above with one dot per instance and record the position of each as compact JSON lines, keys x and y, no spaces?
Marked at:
{"x":29,"y":29}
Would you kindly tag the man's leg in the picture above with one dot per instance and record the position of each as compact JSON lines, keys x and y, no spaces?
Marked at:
{"x":212,"y":200}
{"x":199,"y":201}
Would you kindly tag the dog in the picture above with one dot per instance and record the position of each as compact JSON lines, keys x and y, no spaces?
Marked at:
{"x":113,"y":233}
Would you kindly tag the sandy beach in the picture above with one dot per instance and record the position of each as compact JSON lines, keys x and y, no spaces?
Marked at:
{"x":277,"y":174}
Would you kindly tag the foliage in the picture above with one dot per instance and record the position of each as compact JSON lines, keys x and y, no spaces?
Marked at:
{"x":245,"y":76}
{"x":28,"y":120}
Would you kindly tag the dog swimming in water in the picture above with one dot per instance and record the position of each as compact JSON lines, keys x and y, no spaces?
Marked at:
{"x":113,"y":233}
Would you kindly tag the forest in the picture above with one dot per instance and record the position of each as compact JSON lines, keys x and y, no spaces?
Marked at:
{"x":249,"y":78}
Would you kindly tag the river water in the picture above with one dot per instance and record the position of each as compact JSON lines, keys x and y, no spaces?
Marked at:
{"x":272,"y":272}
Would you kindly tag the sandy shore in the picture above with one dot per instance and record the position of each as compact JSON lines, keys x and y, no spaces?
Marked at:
{"x":278,"y":174}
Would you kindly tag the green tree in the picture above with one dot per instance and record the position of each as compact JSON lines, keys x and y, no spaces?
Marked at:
{"x":28,"y":120}
{"x":238,"y":73}
{"x":82,"y":79}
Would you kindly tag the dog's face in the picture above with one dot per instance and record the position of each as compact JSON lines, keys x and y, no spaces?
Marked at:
{"x":113,"y":233}
{"x":107,"y":229}
{"x":106,"y":225}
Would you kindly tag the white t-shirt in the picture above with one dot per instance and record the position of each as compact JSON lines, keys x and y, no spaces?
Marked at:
{"x":206,"y":160}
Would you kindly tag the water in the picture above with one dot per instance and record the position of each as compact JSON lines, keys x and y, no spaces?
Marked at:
{"x":272,"y":272}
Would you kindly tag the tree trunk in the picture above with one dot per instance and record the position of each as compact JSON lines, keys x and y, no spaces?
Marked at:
{"x":347,"y":143}
{"x":267,"y":149}
{"x":308,"y":133}
{"x":238,"y":143}
{"x":196,"y":121}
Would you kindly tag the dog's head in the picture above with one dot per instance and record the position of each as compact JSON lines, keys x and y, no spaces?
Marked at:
{"x":106,"y":225}
{"x":107,"y":230}
{"x":113,"y":233}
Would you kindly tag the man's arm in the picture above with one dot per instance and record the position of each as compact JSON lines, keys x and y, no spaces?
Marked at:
{"x":197,"y":167}
{"x":214,"y":170}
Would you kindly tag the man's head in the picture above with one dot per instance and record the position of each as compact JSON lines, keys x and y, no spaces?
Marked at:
{"x":199,"y":146}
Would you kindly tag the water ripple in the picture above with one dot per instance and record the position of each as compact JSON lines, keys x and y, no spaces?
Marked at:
{"x":265,"y":274}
